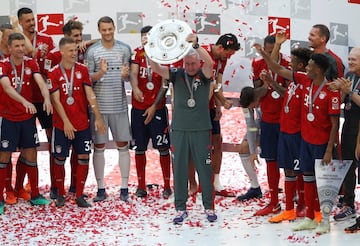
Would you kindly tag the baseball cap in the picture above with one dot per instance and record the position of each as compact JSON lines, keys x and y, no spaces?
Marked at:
{"x":229,"y":41}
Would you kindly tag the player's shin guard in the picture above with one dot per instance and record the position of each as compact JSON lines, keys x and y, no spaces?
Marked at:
{"x":273,"y":175}
{"x":3,"y":174}
{"x":59,"y":173}
{"x":310,"y":195}
{"x":165,"y":167}
{"x":290,"y":187}
{"x":8,"y":179}
{"x":73,"y":164}
{"x":99,"y":166}
{"x":20,"y":173}
{"x":300,"y":189}
{"x":33,"y":175}
{"x":140,"y":162}
{"x":82,"y":170}
{"x":124,"y":164}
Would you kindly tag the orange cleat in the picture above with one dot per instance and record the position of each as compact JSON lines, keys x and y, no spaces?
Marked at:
{"x":318,"y":216}
{"x":28,"y":187}
{"x":289,"y":215}
{"x":10,"y":198}
{"x":22,"y":193}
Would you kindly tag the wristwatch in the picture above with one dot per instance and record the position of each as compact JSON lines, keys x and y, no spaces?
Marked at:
{"x":196,"y":46}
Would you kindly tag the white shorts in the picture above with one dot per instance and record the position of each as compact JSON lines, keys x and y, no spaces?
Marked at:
{"x":118,"y":124}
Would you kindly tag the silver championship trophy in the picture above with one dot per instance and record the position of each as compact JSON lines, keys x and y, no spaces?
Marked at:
{"x":167,"y":41}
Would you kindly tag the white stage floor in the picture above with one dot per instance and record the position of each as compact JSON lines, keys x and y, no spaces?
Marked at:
{"x":149,"y":221}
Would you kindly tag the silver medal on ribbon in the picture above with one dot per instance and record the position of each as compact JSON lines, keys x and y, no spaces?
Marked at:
{"x":286,"y":109}
{"x":191,"y":103}
{"x":275,"y":95}
{"x":310,"y":117}
{"x":150,"y":86}
{"x":70,"y":101}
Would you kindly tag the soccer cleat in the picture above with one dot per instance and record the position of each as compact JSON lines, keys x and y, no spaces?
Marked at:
{"x":300,"y":211}
{"x":318,"y":216}
{"x":323,"y":227}
{"x":167,"y":192}
{"x":305,"y":224}
{"x":225,"y":193}
{"x":22,"y":193}
{"x":72,"y":191}
{"x":124,"y":194}
{"x":345,"y":213}
{"x":39,"y":200}
{"x":11,"y":199}
{"x":82,"y":203}
{"x":269,"y":209}
{"x":210,"y":215}
{"x":100,"y":195}
{"x":2,"y":205}
{"x":250,"y":194}
{"x":140,"y":192}
{"x":54,"y":193}
{"x":28,"y":187}
{"x":354,"y":228}
{"x":60,"y":201}
{"x":180,"y":217}
{"x":289,"y":215}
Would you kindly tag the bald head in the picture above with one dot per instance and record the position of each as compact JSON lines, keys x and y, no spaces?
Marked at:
{"x":354,"y":61}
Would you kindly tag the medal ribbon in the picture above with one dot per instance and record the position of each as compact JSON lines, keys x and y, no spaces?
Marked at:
{"x":190,"y":87}
{"x":18,"y":84}
{"x":313,"y":98}
{"x":69,"y":84}
{"x":291,"y":93}
{"x":148,"y":69}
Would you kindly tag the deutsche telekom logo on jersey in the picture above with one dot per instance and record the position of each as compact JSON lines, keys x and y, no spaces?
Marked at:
{"x":50,"y":24}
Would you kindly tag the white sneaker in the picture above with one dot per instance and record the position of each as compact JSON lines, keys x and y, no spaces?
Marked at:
{"x":305,"y":224}
{"x":323,"y":227}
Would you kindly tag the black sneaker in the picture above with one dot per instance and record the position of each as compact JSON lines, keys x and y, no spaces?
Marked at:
{"x":354,"y":228}
{"x":60,"y":201}
{"x":250,"y":194}
{"x":167,"y":193}
{"x":180,"y":217}
{"x":82,"y":203}
{"x":72,"y":190}
{"x":140,"y":192}
{"x":100,"y":195}
{"x":54,"y":193}
{"x":210,"y":215}
{"x":124,"y":194}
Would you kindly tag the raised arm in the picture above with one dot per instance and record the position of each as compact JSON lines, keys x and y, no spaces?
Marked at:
{"x":273,"y":65}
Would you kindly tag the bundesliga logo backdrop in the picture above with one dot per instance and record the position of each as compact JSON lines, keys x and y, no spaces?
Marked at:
{"x":50,"y":24}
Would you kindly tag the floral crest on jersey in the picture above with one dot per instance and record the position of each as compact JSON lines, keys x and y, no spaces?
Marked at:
{"x":27,"y":71}
{"x":58,"y":148}
{"x":5,"y":144}
{"x":78,"y":75}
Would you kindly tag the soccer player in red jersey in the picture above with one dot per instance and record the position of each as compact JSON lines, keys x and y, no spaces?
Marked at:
{"x":290,"y":137}
{"x":145,"y":87}
{"x":18,"y":128}
{"x":71,"y":93}
{"x":270,"y":105}
{"x":41,"y":44}
{"x":72,"y":29}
